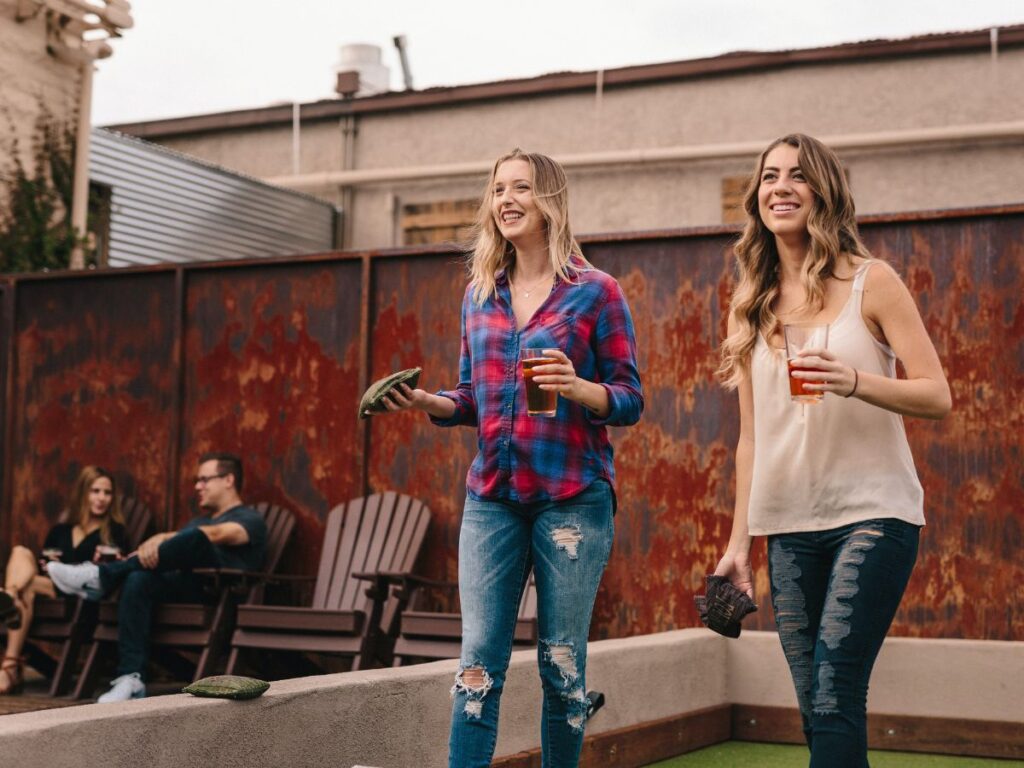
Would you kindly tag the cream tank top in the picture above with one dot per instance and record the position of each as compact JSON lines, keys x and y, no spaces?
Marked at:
{"x":833,"y":463}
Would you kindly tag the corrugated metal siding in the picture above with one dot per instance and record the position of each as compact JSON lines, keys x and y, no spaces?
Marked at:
{"x":167,"y":207}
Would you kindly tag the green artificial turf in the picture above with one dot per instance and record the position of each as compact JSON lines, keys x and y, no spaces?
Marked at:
{"x":739,"y":754}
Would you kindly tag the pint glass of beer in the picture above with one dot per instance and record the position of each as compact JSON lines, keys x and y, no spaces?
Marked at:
{"x":539,"y":402}
{"x":800,"y":336}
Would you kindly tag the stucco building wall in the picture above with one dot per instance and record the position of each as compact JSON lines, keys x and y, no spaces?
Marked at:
{"x":904,"y":92}
{"x":31,"y":81}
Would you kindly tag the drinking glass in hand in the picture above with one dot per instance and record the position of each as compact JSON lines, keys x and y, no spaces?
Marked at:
{"x":49,"y":555}
{"x":800,"y":336}
{"x":107,"y":553}
{"x":539,"y":402}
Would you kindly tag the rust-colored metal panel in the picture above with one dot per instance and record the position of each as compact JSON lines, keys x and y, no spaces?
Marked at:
{"x":271,"y":372}
{"x":416,"y":318}
{"x":675,"y":468}
{"x":92,"y":385}
{"x":966,"y":275}
{"x":273,"y":355}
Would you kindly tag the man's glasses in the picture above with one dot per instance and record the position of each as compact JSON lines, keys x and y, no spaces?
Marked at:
{"x":204,"y":479}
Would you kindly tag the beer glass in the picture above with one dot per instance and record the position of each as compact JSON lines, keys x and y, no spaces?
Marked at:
{"x":539,"y":402}
{"x":800,"y":336}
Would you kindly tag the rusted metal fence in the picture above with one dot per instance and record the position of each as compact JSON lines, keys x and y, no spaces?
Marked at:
{"x":141,"y":370}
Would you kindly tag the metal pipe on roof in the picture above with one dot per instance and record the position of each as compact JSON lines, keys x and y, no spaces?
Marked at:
{"x":403,"y":56}
{"x":876,"y":140}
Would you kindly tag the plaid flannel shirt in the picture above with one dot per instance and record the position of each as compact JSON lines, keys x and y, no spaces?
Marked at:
{"x":527,"y":458}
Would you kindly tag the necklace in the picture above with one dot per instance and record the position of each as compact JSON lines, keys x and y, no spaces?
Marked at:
{"x":534,"y":287}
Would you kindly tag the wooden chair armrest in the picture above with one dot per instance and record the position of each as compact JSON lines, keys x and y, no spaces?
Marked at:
{"x":288,"y":578}
{"x":411,"y":580}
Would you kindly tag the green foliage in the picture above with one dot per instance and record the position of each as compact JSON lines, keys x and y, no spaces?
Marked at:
{"x":35,"y":204}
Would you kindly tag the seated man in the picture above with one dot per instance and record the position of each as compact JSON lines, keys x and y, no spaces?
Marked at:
{"x":230,"y":535}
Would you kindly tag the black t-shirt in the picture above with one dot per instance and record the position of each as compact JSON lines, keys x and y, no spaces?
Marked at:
{"x":248,"y":556}
{"x":60,"y":537}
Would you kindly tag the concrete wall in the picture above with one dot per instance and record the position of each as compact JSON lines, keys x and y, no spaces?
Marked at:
{"x":30,"y":77}
{"x":905,"y":93}
{"x":399,"y":718}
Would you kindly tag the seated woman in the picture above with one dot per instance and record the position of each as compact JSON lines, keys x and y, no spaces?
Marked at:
{"x":94,"y":518}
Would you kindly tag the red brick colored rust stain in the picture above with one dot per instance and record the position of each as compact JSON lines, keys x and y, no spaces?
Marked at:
{"x":417,"y":323}
{"x":93,"y":387}
{"x":969,"y":464}
{"x":261,"y":381}
{"x":271,"y":366}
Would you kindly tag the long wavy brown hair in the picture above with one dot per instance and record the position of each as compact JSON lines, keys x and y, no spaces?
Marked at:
{"x":832,"y":227}
{"x":492,"y":252}
{"x":78,"y":504}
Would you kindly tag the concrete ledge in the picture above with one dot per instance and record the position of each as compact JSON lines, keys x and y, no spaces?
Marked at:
{"x":969,"y":679}
{"x":399,"y":718}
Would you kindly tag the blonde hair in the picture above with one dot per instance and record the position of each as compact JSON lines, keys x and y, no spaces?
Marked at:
{"x":492,"y":252}
{"x":78,"y":506}
{"x":832,"y":227}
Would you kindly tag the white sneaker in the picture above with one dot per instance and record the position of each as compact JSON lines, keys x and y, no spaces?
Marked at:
{"x":124,"y":688}
{"x":82,"y":580}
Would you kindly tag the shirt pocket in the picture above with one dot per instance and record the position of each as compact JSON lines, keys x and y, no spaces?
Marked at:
{"x":551,"y":331}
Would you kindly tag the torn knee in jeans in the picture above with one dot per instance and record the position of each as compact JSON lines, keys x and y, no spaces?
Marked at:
{"x":578,"y":706}
{"x":562,"y":656}
{"x":568,"y":540}
{"x":474,"y":682}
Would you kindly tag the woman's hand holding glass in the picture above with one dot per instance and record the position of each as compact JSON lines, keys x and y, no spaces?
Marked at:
{"x":830,"y":375}
{"x":559,"y":376}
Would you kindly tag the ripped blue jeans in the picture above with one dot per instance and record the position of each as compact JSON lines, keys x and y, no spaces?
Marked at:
{"x":835,"y":594}
{"x":567,"y":544}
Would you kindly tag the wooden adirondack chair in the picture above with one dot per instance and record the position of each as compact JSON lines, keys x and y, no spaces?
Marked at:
{"x":429,"y":635}
{"x":68,"y":622}
{"x":382,"y":532}
{"x":201,"y":627}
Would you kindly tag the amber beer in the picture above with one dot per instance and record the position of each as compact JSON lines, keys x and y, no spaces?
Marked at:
{"x":801,"y":336}
{"x":797,"y":391}
{"x":539,"y":402}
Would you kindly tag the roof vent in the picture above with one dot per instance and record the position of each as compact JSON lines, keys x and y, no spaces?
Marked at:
{"x":359,"y":71}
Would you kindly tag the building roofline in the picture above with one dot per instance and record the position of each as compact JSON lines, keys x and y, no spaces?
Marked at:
{"x":563,"y":82}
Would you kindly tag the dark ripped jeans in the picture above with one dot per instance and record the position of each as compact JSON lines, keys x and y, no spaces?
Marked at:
{"x":142,"y":589}
{"x":835,"y":594}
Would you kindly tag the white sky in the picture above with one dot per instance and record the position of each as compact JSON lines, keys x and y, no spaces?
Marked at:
{"x":186,"y":57}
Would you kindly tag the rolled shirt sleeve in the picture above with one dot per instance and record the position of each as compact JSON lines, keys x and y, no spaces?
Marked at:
{"x":615,"y":352}
{"x":462,"y":395}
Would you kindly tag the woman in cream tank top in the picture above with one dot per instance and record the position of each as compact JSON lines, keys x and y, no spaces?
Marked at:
{"x":831,"y":483}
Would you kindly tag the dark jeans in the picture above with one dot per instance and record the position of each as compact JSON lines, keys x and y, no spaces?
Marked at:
{"x":142,"y":588}
{"x":835,"y":594}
